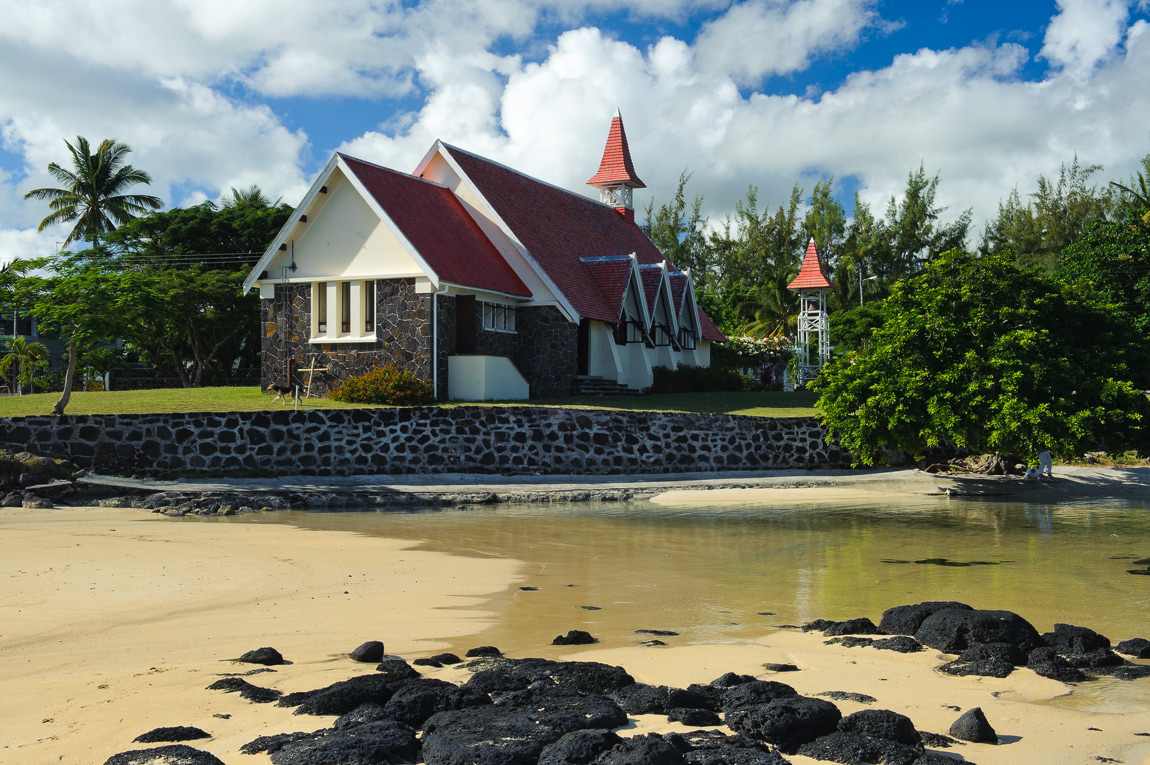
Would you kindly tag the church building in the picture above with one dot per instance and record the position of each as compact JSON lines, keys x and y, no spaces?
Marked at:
{"x":487,"y":282}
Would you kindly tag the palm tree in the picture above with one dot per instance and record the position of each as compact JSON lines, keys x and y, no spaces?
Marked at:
{"x":23,"y":354}
{"x":1140,"y":196}
{"x":92,"y":193}
{"x":251,"y":195}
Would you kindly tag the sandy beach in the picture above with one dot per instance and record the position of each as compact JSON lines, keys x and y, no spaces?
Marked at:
{"x":114,"y":621}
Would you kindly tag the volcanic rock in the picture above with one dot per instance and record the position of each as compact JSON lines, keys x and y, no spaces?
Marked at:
{"x":483,"y":651}
{"x":900,"y":643}
{"x":512,"y":735}
{"x":905,"y":620}
{"x":881,"y":723}
{"x":572,"y":677}
{"x":973,"y":726}
{"x":860,"y":626}
{"x":696,"y":718}
{"x":755,"y":693}
{"x":953,"y":630}
{"x":578,"y":747}
{"x":253,"y":693}
{"x":787,"y":723}
{"x":1139,"y":648}
{"x":266,"y":656}
{"x":370,"y":652}
{"x":641,"y":699}
{"x":173,"y":754}
{"x":710,"y":747}
{"x":344,"y":696}
{"x":986,"y":660}
{"x":414,"y":701}
{"x":1045,"y":661}
{"x":574,"y":637}
{"x":1068,"y":639}
{"x":372,"y":743}
{"x":173,"y":733}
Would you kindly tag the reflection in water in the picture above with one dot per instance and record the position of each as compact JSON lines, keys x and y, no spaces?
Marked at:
{"x":710,"y":573}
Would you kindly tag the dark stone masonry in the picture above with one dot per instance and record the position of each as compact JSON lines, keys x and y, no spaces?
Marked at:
{"x":426,"y":440}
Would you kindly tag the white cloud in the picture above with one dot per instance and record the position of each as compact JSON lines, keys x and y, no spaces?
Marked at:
{"x":1084,"y":33}
{"x":771,"y":37}
{"x":176,"y":82}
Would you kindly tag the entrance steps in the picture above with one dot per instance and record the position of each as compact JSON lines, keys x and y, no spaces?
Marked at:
{"x":595,"y":386}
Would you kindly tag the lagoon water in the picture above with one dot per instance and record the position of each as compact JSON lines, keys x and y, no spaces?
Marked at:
{"x":732,"y":572}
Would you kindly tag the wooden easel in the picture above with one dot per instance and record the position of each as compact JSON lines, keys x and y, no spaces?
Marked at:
{"x":310,"y":375}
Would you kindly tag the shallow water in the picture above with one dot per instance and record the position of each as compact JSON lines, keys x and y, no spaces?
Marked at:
{"x":728,"y":574}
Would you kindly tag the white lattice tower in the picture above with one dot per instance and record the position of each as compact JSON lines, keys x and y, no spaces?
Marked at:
{"x":813,"y":344}
{"x":812,"y":347}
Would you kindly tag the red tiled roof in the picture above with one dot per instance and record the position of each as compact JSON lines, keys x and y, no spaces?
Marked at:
{"x":812,"y":276}
{"x":708,"y":329}
{"x":612,"y":275}
{"x":616,"y":165}
{"x":678,"y":290}
{"x":439,"y":228}
{"x":652,"y":276}
{"x":559,"y":228}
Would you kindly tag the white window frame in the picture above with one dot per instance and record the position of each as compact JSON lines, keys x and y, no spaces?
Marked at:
{"x":498,"y":317}
{"x":341,"y":312}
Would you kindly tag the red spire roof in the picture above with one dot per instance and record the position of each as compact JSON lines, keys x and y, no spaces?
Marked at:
{"x":616,"y":166}
{"x":812,"y":276}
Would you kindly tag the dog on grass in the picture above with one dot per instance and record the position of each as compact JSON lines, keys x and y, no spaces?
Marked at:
{"x":282,"y":392}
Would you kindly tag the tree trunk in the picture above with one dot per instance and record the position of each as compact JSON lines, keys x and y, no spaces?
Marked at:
{"x":58,"y":409}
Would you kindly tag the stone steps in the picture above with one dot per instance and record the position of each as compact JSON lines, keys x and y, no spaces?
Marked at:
{"x":601,"y":387}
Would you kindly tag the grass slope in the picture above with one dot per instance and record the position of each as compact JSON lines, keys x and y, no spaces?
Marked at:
{"x":756,"y":404}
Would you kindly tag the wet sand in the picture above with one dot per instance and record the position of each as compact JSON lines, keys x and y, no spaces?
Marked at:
{"x":113,"y":622}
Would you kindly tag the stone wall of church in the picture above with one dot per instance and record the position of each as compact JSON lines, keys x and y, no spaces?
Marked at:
{"x":427,"y":440}
{"x":402,"y":330}
{"x":549,"y":355}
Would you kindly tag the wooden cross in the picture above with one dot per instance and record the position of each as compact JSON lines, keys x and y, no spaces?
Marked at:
{"x":310,"y":374}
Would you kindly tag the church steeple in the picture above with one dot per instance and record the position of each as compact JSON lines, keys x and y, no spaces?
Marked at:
{"x":616,"y":178}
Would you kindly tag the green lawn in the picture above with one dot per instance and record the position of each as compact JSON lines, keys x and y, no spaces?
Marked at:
{"x":252,"y":399}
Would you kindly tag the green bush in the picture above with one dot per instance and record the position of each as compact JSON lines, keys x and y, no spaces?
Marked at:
{"x":695,"y":380}
{"x":385,"y":386}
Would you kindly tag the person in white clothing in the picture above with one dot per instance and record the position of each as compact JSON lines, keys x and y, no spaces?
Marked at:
{"x":1045,"y":463}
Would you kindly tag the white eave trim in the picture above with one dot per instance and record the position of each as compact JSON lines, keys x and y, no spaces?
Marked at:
{"x":289,"y":226}
{"x":324,"y":176}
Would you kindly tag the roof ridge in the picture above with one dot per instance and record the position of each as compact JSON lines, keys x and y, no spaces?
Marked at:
{"x":392,"y":170}
{"x":522,"y":174}
{"x":604,"y":258}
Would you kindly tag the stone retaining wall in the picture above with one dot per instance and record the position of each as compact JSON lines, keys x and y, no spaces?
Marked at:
{"x":465,"y":439}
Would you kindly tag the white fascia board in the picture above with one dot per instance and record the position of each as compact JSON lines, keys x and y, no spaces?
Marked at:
{"x":289,"y":225}
{"x":664,"y":294}
{"x":640,"y":294}
{"x":561,"y":301}
{"x":388,"y":223}
{"x":689,"y":298}
{"x":465,"y":288}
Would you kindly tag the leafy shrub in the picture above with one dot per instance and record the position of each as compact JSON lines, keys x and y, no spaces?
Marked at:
{"x":695,"y":380}
{"x":385,"y":386}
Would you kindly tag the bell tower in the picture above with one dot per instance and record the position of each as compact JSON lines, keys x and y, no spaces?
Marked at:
{"x":813,"y":347}
{"x":616,"y":179}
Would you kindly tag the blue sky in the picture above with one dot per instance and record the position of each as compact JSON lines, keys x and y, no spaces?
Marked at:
{"x":216,"y":94}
